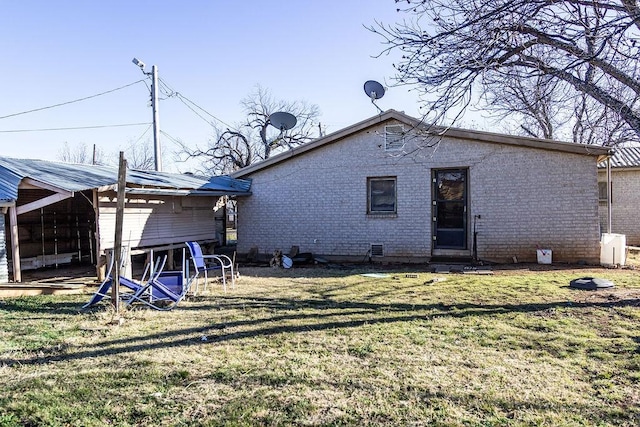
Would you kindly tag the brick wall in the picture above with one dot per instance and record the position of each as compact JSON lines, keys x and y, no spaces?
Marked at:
{"x":625,"y":204}
{"x":526,"y":198}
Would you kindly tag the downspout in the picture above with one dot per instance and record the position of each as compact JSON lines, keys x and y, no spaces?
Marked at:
{"x":609,"y":194}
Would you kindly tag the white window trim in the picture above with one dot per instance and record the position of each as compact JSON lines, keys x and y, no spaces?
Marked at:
{"x":396,"y":132}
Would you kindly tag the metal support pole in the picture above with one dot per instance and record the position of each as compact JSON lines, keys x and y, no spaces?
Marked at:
{"x":609,"y":195}
{"x":156,"y":118}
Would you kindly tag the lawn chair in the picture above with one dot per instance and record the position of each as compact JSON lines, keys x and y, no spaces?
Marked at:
{"x":103,"y":290}
{"x":134,"y":287}
{"x":164,"y":291}
{"x":220,"y":263}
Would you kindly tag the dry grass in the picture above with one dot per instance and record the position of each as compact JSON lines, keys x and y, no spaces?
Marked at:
{"x":633,"y":258}
{"x":332,"y":347}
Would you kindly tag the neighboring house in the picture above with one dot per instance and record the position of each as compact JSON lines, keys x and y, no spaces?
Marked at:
{"x":625,"y":194}
{"x":56,"y":213}
{"x":389,"y":189}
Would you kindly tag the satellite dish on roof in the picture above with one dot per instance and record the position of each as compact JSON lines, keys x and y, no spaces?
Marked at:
{"x":282,"y":120}
{"x":374,"y":90}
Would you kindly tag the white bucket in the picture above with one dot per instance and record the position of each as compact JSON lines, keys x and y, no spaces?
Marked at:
{"x":544,"y":256}
{"x":613,"y":249}
{"x":287,"y":262}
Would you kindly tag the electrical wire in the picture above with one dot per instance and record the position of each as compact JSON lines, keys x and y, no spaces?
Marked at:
{"x":193,"y":111}
{"x":73,"y":128}
{"x":177,"y":141}
{"x":143,"y":133}
{"x":169,"y":92}
{"x":71,"y":102}
{"x":182,"y":97}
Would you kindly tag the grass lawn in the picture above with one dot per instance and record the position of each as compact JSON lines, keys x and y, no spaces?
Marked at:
{"x":332,"y":347}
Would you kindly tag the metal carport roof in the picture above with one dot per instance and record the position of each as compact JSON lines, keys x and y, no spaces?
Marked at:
{"x":79,"y":177}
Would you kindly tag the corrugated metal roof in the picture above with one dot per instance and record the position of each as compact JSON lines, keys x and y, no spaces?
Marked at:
{"x":79,"y":177}
{"x":624,"y":157}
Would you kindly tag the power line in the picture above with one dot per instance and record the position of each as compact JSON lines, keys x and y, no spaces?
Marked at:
{"x":194,"y":111}
{"x":177,"y":141}
{"x":71,"y":102}
{"x":183,"y":98}
{"x":202,"y":109}
{"x":73,"y":128}
{"x":144,"y":133}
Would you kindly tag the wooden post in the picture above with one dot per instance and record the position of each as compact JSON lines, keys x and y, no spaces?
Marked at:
{"x":117,"y":250}
{"x":15,"y":244}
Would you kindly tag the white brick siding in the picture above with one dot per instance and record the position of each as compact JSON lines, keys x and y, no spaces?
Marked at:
{"x":527,"y":198}
{"x":625,"y":206}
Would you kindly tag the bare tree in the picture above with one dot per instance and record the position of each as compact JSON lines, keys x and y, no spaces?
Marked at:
{"x":544,"y":107}
{"x":80,"y":154}
{"x":452,"y":47}
{"x":140,"y":156}
{"x":538,"y":103}
{"x":254,"y":140}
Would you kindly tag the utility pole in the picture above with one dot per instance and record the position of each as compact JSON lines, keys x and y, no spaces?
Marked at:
{"x":157,"y":152}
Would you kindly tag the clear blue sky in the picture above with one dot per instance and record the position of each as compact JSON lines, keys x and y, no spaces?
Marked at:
{"x":213,"y":52}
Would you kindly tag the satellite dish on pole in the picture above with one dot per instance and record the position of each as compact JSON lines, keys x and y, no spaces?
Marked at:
{"x":282,"y":120}
{"x":374,"y":90}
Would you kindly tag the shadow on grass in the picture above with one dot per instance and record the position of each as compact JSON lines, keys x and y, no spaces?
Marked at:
{"x":326,"y":315}
{"x":34,"y":305}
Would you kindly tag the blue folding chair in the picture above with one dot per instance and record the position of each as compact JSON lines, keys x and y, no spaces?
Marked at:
{"x":104,"y":289}
{"x":134,"y":287}
{"x":220,"y":263}
{"x":164,"y":291}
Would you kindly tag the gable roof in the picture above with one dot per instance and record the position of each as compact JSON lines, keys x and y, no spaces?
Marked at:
{"x":481,"y":136}
{"x":79,"y":177}
{"x":624,"y":157}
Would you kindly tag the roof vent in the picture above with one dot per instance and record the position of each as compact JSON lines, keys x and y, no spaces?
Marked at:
{"x":394,"y":137}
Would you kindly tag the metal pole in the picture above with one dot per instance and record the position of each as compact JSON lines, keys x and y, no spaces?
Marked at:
{"x":609,"y":194}
{"x":156,"y":118}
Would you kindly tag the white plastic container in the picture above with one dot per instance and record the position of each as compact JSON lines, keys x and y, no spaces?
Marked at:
{"x":544,"y":256}
{"x":613,"y":249}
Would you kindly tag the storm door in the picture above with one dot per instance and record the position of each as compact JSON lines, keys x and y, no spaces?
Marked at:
{"x":450,"y":209}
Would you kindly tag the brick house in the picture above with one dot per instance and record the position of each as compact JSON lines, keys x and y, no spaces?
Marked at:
{"x":389,"y":189}
{"x":625,"y":194}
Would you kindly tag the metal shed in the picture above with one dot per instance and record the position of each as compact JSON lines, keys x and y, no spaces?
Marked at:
{"x":57,"y":213}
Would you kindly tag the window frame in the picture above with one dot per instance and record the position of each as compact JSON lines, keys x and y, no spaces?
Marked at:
{"x":602,"y":192}
{"x":397,"y":131}
{"x":370,"y":197}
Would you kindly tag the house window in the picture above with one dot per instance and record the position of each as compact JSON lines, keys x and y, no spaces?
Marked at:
{"x":393,"y":137}
{"x":382,"y":195}
{"x":602,"y":192}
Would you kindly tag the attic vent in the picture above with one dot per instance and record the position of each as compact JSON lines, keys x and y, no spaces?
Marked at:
{"x":377,"y":249}
{"x":394,"y":137}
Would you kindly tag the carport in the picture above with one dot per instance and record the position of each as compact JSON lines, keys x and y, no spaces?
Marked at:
{"x":59,"y":213}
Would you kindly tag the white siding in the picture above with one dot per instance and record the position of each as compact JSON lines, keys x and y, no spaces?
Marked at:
{"x":161,"y":221}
